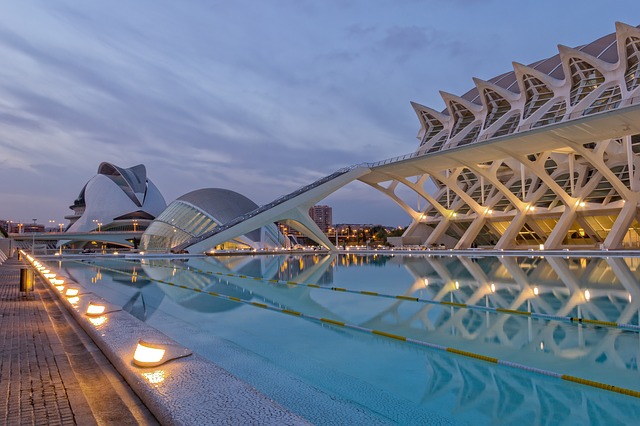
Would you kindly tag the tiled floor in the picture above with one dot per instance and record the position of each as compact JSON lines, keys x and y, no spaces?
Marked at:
{"x":50,"y":371}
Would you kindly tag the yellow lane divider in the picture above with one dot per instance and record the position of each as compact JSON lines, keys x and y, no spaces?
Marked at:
{"x":572,"y":320}
{"x":579,"y":380}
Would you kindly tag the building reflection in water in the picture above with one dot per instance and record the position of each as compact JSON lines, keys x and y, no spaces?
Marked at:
{"x":600,"y":289}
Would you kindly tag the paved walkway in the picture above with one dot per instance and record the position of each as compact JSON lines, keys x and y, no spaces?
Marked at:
{"x":50,"y":370}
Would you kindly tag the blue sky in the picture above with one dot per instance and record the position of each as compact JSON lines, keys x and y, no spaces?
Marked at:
{"x":260,"y":97}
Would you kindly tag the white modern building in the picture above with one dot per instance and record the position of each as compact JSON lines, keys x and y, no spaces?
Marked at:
{"x":200,"y":211}
{"x":545,"y":154}
{"x":116,"y":199}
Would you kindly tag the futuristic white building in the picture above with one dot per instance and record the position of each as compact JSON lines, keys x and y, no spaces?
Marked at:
{"x":200,"y":211}
{"x":544,"y":154}
{"x":547,"y":154}
{"x":116,"y":199}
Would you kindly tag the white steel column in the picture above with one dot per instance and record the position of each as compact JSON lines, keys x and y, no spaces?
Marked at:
{"x":622,"y":223}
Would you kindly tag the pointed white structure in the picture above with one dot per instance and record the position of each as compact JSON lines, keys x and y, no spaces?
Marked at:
{"x":544,"y":155}
{"x":116,"y":198}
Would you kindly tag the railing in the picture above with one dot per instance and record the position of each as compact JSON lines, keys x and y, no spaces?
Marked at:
{"x":265,"y":207}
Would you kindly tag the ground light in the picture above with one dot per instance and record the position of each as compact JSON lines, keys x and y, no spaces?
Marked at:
{"x":154,"y":354}
{"x":95,"y":309}
{"x":71,"y":292}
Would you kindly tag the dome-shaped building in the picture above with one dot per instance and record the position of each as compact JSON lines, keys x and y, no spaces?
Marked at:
{"x":199,"y":211}
{"x":117,"y":199}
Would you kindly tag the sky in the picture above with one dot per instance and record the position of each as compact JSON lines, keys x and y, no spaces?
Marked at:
{"x":260,"y":97}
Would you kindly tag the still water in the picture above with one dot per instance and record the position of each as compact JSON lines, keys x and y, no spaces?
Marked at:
{"x":344,"y":375}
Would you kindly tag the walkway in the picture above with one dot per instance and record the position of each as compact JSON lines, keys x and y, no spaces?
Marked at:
{"x":50,"y":370}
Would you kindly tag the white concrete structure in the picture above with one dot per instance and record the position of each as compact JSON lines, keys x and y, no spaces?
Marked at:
{"x":116,"y":199}
{"x":201,"y":211}
{"x":546,"y":155}
{"x":291,"y":210}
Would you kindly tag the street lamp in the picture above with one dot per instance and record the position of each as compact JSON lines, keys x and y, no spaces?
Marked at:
{"x":135,"y":225}
{"x":33,"y":236}
{"x":61,"y":225}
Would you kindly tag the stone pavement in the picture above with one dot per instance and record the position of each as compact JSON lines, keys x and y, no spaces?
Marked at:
{"x":50,"y":370}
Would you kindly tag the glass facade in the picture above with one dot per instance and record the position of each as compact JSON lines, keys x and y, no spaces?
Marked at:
{"x":178,"y":223}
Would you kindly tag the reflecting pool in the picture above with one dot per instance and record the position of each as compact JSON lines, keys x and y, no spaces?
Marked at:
{"x":324,"y":335}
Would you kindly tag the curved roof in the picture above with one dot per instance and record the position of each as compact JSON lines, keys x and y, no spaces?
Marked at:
{"x":603,"y":48}
{"x":132,"y":180}
{"x":223,"y":204}
{"x":590,"y":79}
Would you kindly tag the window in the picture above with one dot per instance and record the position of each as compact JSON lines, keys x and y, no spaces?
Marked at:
{"x":608,"y":99}
{"x":553,"y":115}
{"x":471,"y":136}
{"x":509,"y":126}
{"x":537,"y":94}
{"x":497,"y":106}
{"x":632,"y":76}
{"x":585,"y":78}
{"x":433,"y":126}
{"x":462,"y":117}
{"x":438,"y":144}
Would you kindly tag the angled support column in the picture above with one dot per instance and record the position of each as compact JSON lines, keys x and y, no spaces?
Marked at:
{"x":390,"y":192}
{"x":300,"y":220}
{"x":560,"y":230}
{"x":438,"y":231}
{"x":509,"y":236}
{"x":471,"y":233}
{"x":622,"y":223}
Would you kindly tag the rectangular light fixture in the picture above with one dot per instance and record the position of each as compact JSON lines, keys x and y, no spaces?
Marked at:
{"x":154,"y":354}
{"x":95,"y":309}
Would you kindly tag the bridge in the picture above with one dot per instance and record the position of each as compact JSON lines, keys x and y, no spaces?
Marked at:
{"x":108,"y":237}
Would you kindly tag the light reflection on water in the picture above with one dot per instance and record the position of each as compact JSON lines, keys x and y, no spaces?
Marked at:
{"x":397,"y":381}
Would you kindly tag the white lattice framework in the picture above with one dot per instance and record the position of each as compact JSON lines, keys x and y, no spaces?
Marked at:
{"x":575,"y":193}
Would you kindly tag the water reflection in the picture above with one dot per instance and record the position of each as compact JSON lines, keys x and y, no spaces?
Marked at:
{"x":414,"y":379}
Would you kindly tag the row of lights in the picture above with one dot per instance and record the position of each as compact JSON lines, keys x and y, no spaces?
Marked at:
{"x":146,"y":354}
{"x":528,"y":208}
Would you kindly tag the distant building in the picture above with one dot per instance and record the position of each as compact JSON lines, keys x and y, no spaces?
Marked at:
{"x":32,"y":227}
{"x":322,"y":216}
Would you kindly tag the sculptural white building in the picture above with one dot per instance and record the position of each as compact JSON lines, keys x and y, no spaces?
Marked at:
{"x":117,"y":199}
{"x":200,"y":211}
{"x":546,"y":154}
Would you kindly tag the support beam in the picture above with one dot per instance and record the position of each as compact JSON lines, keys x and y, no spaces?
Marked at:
{"x":471,"y":233}
{"x":438,"y":231}
{"x":509,"y":237}
{"x":622,"y":223}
